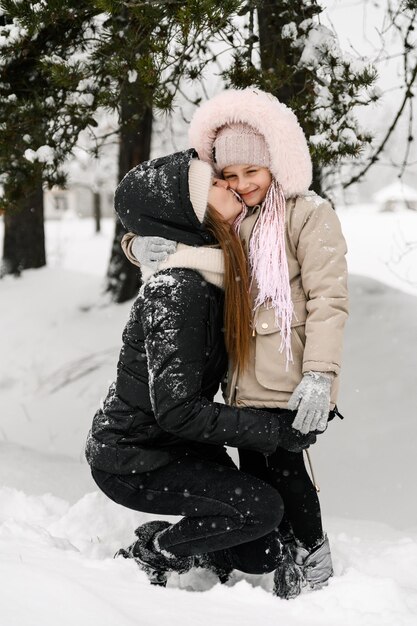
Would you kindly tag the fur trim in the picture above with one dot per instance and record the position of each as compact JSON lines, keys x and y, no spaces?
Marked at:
{"x":290,"y":157}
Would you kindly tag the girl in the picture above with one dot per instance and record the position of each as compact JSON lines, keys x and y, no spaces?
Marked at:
{"x":296,"y":253}
{"x":157,"y":443}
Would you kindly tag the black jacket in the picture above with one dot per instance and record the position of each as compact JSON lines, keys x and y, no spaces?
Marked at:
{"x":173,"y":356}
{"x":171,"y":363}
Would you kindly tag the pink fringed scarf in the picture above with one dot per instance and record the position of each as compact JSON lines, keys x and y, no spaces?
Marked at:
{"x":268,"y":262}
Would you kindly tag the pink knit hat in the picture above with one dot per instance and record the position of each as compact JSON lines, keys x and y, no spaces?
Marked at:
{"x":237,"y":144}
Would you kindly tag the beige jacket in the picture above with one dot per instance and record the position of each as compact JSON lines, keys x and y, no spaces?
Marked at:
{"x":316,"y":251}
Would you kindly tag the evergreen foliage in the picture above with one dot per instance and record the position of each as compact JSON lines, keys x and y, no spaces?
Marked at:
{"x":301,"y":62}
{"x":63,"y":61}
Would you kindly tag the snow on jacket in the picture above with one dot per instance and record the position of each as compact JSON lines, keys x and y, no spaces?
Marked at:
{"x":173,"y":357}
{"x":316,"y":250}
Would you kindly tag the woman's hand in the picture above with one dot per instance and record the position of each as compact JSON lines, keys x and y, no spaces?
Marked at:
{"x":291,"y":439}
{"x":151,"y":251}
{"x":312,"y":399}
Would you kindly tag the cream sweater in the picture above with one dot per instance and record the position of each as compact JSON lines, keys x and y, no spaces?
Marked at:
{"x":204,"y":259}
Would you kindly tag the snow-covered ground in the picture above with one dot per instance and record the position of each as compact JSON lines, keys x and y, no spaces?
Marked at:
{"x":382,"y":245}
{"x":59,"y":340}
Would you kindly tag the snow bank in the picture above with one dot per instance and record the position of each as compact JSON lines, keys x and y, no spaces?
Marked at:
{"x":59,"y":343}
{"x":382,"y":246}
{"x":366,"y":465}
{"x":61,"y":556}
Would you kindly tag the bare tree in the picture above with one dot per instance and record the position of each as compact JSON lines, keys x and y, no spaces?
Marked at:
{"x":400,"y":19}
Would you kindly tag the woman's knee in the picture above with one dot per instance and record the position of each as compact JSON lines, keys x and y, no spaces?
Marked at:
{"x":120,"y":491}
{"x":272,"y":509}
{"x":263,"y":512}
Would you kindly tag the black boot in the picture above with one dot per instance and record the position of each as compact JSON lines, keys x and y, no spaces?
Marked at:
{"x":288,"y":576}
{"x":216,"y":562}
{"x":153,"y":560}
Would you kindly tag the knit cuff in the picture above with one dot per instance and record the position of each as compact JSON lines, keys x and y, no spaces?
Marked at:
{"x":199,"y":183}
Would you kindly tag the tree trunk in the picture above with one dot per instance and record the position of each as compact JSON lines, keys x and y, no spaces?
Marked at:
{"x":24,"y":235}
{"x":123,"y":278}
{"x":277,"y":56}
{"x":97,"y":210}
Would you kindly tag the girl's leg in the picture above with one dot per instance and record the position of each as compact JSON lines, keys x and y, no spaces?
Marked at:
{"x":222,"y":508}
{"x":302,"y":518}
{"x":255,"y":464}
{"x":289,"y":476}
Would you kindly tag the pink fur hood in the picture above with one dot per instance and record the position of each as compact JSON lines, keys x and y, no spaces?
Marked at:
{"x":287,"y":145}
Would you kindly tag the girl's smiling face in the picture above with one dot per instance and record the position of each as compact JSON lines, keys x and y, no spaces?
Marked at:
{"x":251,"y":182}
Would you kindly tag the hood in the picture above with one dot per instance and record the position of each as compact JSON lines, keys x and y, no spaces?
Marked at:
{"x":290,"y":157}
{"x":153,"y":200}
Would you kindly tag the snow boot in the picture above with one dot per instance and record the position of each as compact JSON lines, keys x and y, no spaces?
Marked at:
{"x":153,"y":560}
{"x":288,"y":576}
{"x":222,"y":568}
{"x":316,"y":564}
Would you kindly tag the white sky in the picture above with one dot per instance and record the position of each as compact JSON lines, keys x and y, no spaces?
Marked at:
{"x":358,"y":24}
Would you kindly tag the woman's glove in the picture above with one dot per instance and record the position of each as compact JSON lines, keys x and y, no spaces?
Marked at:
{"x":291,"y":439}
{"x":312,"y":399}
{"x":151,"y":251}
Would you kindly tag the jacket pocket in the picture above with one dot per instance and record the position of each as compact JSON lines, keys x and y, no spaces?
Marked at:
{"x":271,"y":368}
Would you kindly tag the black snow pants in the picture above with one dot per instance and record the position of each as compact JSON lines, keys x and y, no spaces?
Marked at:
{"x":224,"y":511}
{"x":286,"y":472}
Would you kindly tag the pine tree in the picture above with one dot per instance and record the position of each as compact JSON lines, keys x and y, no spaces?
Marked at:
{"x":64,"y":61}
{"x":301,"y":63}
{"x":31,"y":122}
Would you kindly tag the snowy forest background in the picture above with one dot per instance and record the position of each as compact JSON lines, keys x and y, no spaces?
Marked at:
{"x":79,"y":107}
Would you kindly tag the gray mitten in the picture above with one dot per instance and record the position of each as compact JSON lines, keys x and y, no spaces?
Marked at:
{"x":151,"y":251}
{"x":312,"y":399}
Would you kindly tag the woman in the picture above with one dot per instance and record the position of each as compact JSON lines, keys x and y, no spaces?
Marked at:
{"x":296,"y":254}
{"x":157,"y":444}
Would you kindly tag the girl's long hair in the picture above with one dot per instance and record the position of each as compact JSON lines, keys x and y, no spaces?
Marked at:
{"x":237,"y":307}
